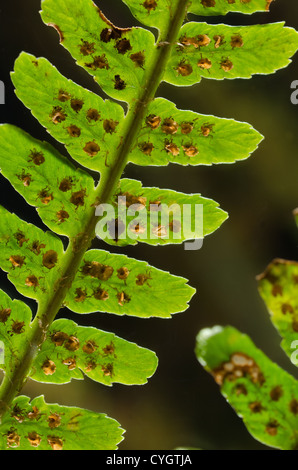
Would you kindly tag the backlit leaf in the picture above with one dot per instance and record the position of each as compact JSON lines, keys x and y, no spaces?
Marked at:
{"x":103,"y":357}
{"x":188,"y":138}
{"x":80,"y":119}
{"x":157,"y":216}
{"x":262,"y":394}
{"x":41,"y":426}
{"x":278,"y":286}
{"x":117,"y":58}
{"x":32,"y":258}
{"x":117,"y":284}
{"x":63,"y":198}
{"x":222,"y":51}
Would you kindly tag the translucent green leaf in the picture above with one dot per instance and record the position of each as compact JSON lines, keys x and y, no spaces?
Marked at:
{"x":31,"y":257}
{"x":103,"y":357}
{"x":156,"y":216}
{"x":222,"y":7}
{"x":263,"y":394}
{"x":117,"y":284}
{"x":278,"y":286}
{"x":15,"y":318}
{"x":222,"y":51}
{"x":169,"y":134}
{"x":156,"y":13}
{"x":41,"y":426}
{"x":115,"y":57}
{"x":63,"y":198}
{"x":80,"y":119}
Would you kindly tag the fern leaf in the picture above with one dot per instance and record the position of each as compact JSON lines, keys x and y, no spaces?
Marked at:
{"x":278,"y":286}
{"x":262,"y":393}
{"x":70,"y":350}
{"x":156,"y":216}
{"x":169,"y":135}
{"x":32,"y":258}
{"x":117,"y":284}
{"x":222,"y":51}
{"x":63,"y":199}
{"x":115,"y":57}
{"x":41,"y":426}
{"x":85,"y":123}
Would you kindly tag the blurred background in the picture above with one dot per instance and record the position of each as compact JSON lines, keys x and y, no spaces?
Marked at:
{"x":181,"y":405}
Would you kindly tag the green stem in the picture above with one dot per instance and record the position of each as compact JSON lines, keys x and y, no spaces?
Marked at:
{"x":12,"y":384}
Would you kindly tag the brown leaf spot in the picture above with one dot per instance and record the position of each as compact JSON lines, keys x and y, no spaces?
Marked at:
{"x":55,"y":442}
{"x":256,"y":407}
{"x":36,"y":157}
{"x":78,"y":197}
{"x":123,"y":298}
{"x":31,"y":281}
{"x":48,"y":367}
{"x":271,"y":427}
{"x":34,"y":414}
{"x":141,"y":279}
{"x":74,"y":131}
{"x":138,"y":59}
{"x":146,"y":148}
{"x":123,"y":46}
{"x":57,"y":115}
{"x":20,"y":237}
{"x":186,"y":127}
{"x":206,"y":129}
{"x":80,"y":295}
{"x":45,"y":196}
{"x":276,"y":290}
{"x":89,"y":347}
{"x":208,"y":3}
{"x":172,"y":148}
{"x":54,"y":420}
{"x":204,"y":63}
{"x":87,"y":48}
{"x":119,"y":83}
{"x":12,"y":438}
{"x":295,"y":325}
{"x":190,"y":150}
{"x":153,"y":121}
{"x":91,"y":148}
{"x":62,"y":215}
{"x":59,"y":337}
{"x":236,"y":41}
{"x":92,"y":115}
{"x":76,"y":104}
{"x":72,"y":343}
{"x":91,"y":365}
{"x":276,"y":393}
{"x":66,"y":184}
{"x":239,"y":365}
{"x":109,"y":349}
{"x":25,"y":178}
{"x":183,"y":68}
{"x":18,"y":327}
{"x":99,"y":62}
{"x":97,"y":270}
{"x":107,"y":370}
{"x":287,"y":308}
{"x":218,"y":40}
{"x":70,"y":362}
{"x":100,"y":294}
{"x":160,"y":231}
{"x":4,"y":314}
{"x":175,"y":226}
{"x":34,"y":439}
{"x":17,"y":261}
{"x":240,"y":389}
{"x":36,"y":247}
{"x":169,"y":126}
{"x":50,"y":259}
{"x":122,"y":273}
{"x":226,"y":65}
{"x":110,"y":125}
{"x":293,"y":406}
{"x":150,"y":5}
{"x":63,"y":96}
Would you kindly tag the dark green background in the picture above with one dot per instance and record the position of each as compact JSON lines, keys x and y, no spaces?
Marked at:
{"x":181,"y":405}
